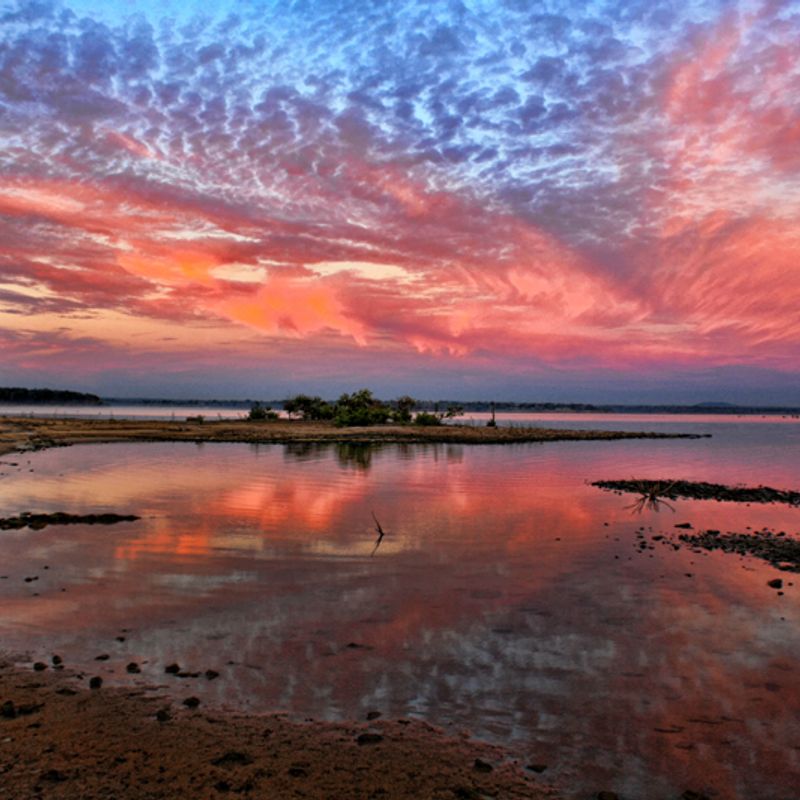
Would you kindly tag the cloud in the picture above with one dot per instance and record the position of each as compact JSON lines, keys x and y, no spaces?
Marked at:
{"x":596,"y":186}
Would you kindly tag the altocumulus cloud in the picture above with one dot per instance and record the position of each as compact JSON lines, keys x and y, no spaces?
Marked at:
{"x":496,"y":186}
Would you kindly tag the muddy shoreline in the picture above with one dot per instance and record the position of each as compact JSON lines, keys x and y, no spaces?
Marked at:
{"x":61,"y":739}
{"x":25,"y":433}
{"x":702,"y":490}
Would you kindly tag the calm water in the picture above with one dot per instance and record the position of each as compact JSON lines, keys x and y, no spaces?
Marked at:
{"x":508,"y":598}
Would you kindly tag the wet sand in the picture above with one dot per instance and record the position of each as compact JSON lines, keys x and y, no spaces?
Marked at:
{"x":61,"y":739}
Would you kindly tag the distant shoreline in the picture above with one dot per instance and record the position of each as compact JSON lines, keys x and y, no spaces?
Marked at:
{"x":35,"y":433}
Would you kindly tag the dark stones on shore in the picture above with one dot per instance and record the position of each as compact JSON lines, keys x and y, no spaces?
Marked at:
{"x":371,"y":715}
{"x":96,"y":682}
{"x":700,"y":490}
{"x":607,"y":796}
{"x":38,"y":521}
{"x":9,"y":710}
{"x":482,"y":766}
{"x":163,"y":715}
{"x":172,"y":669}
{"x":39,"y":666}
{"x":133,"y":668}
{"x":537,"y":768}
{"x":191,"y":702}
{"x":775,"y":583}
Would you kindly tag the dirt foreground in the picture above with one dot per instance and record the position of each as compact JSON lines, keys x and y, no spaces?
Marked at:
{"x":61,"y":739}
{"x":26,"y":433}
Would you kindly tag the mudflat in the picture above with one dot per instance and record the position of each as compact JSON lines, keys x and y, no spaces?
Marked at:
{"x":61,"y":739}
{"x":25,"y":433}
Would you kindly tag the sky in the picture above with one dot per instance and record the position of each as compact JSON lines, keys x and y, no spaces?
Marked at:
{"x":506,"y":199}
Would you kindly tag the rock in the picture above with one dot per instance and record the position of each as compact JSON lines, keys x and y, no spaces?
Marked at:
{"x":607,"y":796}
{"x":298,"y":772}
{"x":172,"y":669}
{"x":211,"y":674}
{"x":53,"y":775}
{"x":467,"y":793}
{"x":120,"y":638}
{"x":96,"y":682}
{"x":369,"y":738}
{"x":8,"y":710}
{"x":690,"y":795}
{"x":687,"y":525}
{"x":536,"y":767}
{"x":482,"y":766}
{"x":373,"y":715}
{"x":775,"y":583}
{"x":191,"y":702}
{"x":133,"y":668}
{"x":103,"y":657}
{"x":163,"y":715}
{"x":232,"y":758}
{"x":39,"y":666}
{"x":57,"y":660}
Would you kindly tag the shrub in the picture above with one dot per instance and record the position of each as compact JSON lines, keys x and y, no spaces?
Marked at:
{"x":403,"y":407}
{"x":259,"y":414}
{"x":360,"y":408}
{"x":308,"y":407}
{"x":427,"y":418}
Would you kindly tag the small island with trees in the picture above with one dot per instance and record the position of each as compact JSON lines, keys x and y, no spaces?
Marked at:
{"x":358,"y":409}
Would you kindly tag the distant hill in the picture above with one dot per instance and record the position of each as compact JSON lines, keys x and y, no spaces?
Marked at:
{"x":19,"y":396}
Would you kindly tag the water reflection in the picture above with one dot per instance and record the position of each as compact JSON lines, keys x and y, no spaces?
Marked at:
{"x":507,"y":597}
{"x":361,"y":455}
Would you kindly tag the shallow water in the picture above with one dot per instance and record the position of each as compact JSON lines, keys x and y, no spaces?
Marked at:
{"x":508,"y":598}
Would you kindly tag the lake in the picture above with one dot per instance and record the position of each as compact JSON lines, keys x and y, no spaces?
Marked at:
{"x":508,"y":599}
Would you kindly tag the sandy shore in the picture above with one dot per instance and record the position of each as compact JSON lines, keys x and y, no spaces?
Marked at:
{"x":61,"y":739}
{"x":24,"y":433}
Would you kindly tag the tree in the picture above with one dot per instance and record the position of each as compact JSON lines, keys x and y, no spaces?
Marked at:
{"x":260,"y":414}
{"x":308,"y":407}
{"x":360,"y":408}
{"x":403,"y":407}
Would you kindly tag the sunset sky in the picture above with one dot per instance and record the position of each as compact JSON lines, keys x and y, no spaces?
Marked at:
{"x":508,"y":199}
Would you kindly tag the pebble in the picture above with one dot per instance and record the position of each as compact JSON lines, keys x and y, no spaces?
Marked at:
{"x":96,"y":682}
{"x":482,"y":766}
{"x":191,"y":702}
{"x":172,"y":669}
{"x":369,"y":738}
{"x":40,"y":666}
{"x":133,"y":668}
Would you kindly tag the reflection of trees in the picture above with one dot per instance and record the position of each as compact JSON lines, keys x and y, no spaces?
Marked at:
{"x":360,"y":454}
{"x":348,"y":454}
